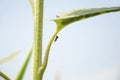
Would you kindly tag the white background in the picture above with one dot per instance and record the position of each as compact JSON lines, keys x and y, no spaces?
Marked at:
{"x":85,"y":50}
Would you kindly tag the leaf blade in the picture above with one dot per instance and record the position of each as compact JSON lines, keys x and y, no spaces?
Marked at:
{"x":9,"y":57}
{"x":21,"y":72}
{"x":74,"y":15}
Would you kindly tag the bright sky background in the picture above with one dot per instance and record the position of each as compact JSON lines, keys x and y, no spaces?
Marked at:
{"x":85,"y":50}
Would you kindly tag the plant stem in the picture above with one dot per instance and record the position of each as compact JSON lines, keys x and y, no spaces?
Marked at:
{"x":37,"y":46}
{"x":44,"y":65}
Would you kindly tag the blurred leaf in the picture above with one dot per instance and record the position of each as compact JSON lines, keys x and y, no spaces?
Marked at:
{"x":24,"y":66}
{"x":74,"y":15}
{"x":4,"y":76}
{"x":9,"y":57}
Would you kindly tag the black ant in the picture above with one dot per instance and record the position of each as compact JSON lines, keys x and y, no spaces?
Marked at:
{"x":56,"y":38}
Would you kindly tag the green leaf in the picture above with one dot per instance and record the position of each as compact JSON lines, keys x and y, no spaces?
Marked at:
{"x":9,"y":57}
{"x":24,"y":66}
{"x":74,"y":15}
{"x":3,"y":75}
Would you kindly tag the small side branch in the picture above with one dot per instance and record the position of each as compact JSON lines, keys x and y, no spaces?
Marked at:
{"x":45,"y":62}
{"x":32,"y":5}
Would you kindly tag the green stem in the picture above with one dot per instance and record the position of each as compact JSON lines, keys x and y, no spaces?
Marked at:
{"x":37,"y":46}
{"x":4,"y":76}
{"x":44,"y":65}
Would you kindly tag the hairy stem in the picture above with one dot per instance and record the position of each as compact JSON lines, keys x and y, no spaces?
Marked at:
{"x":37,"y":46}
